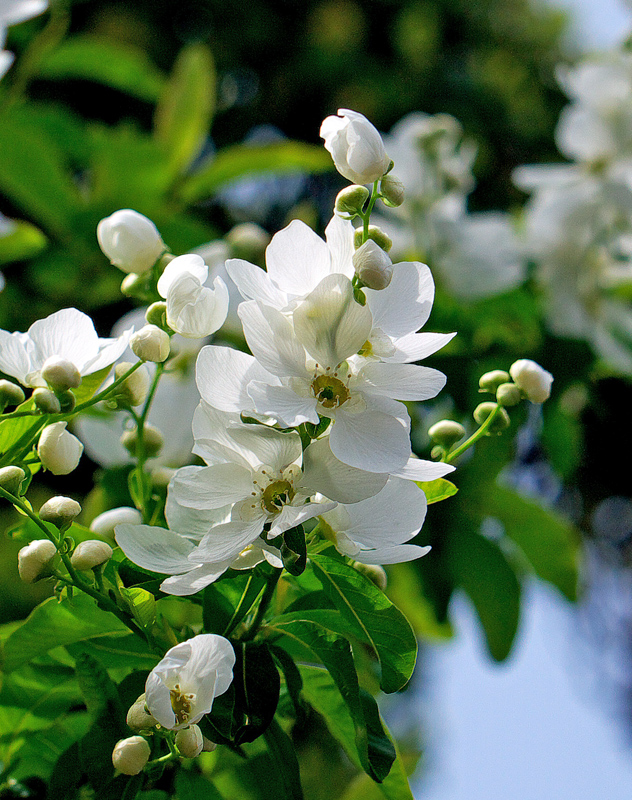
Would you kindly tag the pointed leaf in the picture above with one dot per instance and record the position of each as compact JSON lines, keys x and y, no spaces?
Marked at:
{"x":437,"y":490}
{"x":284,"y":759}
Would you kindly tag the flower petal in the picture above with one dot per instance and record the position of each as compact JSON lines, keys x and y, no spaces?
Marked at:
{"x":324,"y":473}
{"x":223,"y":374}
{"x":297,"y":259}
{"x":283,"y":403}
{"x":155,"y":549}
{"x":272,"y":340}
{"x":211,"y":487}
{"x":371,"y":440}
{"x":405,"y":304}
{"x":402,"y":381}
{"x":254,"y":283}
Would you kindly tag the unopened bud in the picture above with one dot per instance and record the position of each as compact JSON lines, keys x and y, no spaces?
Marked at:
{"x":150,"y":343}
{"x":153,"y":441}
{"x":501,"y":419}
{"x":351,"y":200}
{"x":446,"y":432}
{"x":67,"y":401}
{"x":248,"y":240}
{"x":437,"y":452}
{"x":10,"y":394}
{"x":372,"y":265}
{"x":138,"y":717}
{"x":90,"y":554}
{"x":130,"y":240}
{"x":46,"y":401}
{"x":104,"y":524}
{"x":11,"y":479}
{"x":508,"y":394}
{"x":392,"y":190}
{"x":34,"y":560}
{"x":490,"y":381}
{"x":60,"y":511}
{"x":532,"y":379}
{"x":134,"y":285}
{"x":190,"y":741}
{"x":61,"y":374}
{"x":58,"y":450}
{"x":374,"y":572}
{"x":134,"y":388}
{"x":156,"y":314}
{"x":375,"y":234}
{"x":130,"y":755}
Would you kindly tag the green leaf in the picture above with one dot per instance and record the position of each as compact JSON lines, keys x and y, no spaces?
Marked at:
{"x":284,"y":760}
{"x":294,"y":550}
{"x":142,"y":604}
{"x":293,"y":680}
{"x":186,"y":106}
{"x":21,"y":242}
{"x":97,"y":689}
{"x":321,"y":693}
{"x":550,"y":543}
{"x":480,"y":567}
{"x":55,"y":623}
{"x":116,"y":652}
{"x":191,"y":786}
{"x":335,"y":653}
{"x":227,"y":602}
{"x":121,"y":66}
{"x":406,"y":590}
{"x":437,"y":490}
{"x":257,"y":685}
{"x":371,"y":617}
{"x":90,"y":384}
{"x":240,"y":161}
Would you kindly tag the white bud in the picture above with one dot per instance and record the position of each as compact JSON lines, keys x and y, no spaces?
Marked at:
{"x":10,"y":394}
{"x":150,"y":343}
{"x":351,"y":200}
{"x":11,"y":479}
{"x":372,"y":265}
{"x":130,"y":240}
{"x":60,"y":511}
{"x":190,"y":741}
{"x":104,"y":524}
{"x":130,"y":755}
{"x":532,"y":379}
{"x":355,"y":146}
{"x":90,"y":554}
{"x":61,"y":374}
{"x":46,"y":401}
{"x":135,"y":388}
{"x":58,"y":450}
{"x":34,"y":560}
{"x":138,"y":717}
{"x":153,"y":441}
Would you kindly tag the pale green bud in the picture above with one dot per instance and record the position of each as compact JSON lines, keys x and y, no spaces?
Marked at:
{"x":10,"y":394}
{"x":446,"y":432}
{"x":508,"y":394}
{"x":61,"y":374}
{"x":153,"y":441}
{"x":376,"y":234}
{"x":392,"y":190}
{"x":501,"y":420}
{"x":190,"y":741}
{"x":138,"y":717}
{"x":34,"y":560}
{"x":60,"y":511}
{"x":374,"y":572}
{"x":248,"y":240}
{"x":67,"y":401}
{"x":11,"y":479}
{"x":372,"y":265}
{"x":156,"y":314}
{"x":90,"y":554}
{"x":46,"y":401}
{"x":350,"y":201}
{"x":490,"y":381}
{"x":134,"y":389}
{"x":130,"y":755}
{"x":150,"y":343}
{"x":134,"y":285}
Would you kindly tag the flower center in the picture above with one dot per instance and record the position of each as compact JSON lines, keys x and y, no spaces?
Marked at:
{"x":276,"y":495}
{"x":181,"y":704}
{"x":330,"y":391}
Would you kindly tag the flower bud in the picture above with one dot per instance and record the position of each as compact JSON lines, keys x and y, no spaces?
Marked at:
{"x":392,"y":190}
{"x":90,"y":554}
{"x":11,"y":479}
{"x":190,"y":741}
{"x":46,"y":401}
{"x":58,"y":450}
{"x":532,"y":379}
{"x":138,"y":717}
{"x":130,"y":240}
{"x":60,"y":511}
{"x":134,"y":389}
{"x":10,"y":394}
{"x":248,"y":240}
{"x":130,"y":755}
{"x":508,"y":394}
{"x":351,"y":200}
{"x":60,"y":374}
{"x":150,"y":343}
{"x":446,"y":432}
{"x":355,"y":146}
{"x":490,"y":381}
{"x":34,"y":560}
{"x":67,"y":401}
{"x":104,"y":524}
{"x":156,"y":315}
{"x":372,"y":265}
{"x":153,"y":441}
{"x":375,"y":234}
{"x":374,"y":572}
{"x":501,"y":420}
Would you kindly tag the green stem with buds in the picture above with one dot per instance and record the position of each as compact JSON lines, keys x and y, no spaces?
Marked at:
{"x":482,"y":431}
{"x":366,"y":215}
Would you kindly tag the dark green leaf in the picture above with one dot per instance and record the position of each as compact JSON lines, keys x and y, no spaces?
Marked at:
{"x":191,"y":786}
{"x":294,"y":550}
{"x":284,"y":760}
{"x":293,"y":680}
{"x":257,"y":685}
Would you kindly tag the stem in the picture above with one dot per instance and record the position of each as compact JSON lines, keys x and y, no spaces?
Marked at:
{"x":366,"y":216}
{"x":141,"y":454}
{"x":263,"y":605}
{"x":474,"y":437}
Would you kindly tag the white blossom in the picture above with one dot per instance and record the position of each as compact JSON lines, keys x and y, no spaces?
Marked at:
{"x":355,"y":146}
{"x":532,"y":379}
{"x":130,"y":240}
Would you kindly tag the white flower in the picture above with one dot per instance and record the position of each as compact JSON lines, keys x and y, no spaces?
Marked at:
{"x":374,"y":530}
{"x":193,"y":310}
{"x":534,"y":380}
{"x":130,"y":240}
{"x":67,"y":334}
{"x":58,"y":450}
{"x":355,"y":146}
{"x":180,"y":690}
